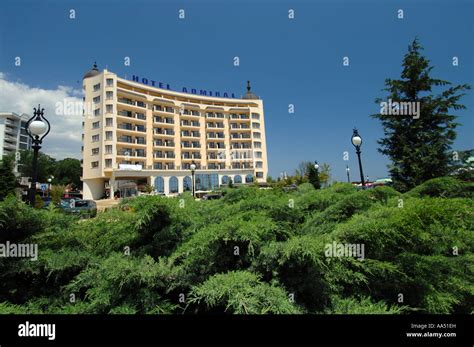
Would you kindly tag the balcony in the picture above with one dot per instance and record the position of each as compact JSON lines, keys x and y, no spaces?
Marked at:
{"x":130,"y":114}
{"x":162,"y":120}
{"x":129,"y":139}
{"x":131,"y":102}
{"x":211,"y":125}
{"x":215,"y":145}
{"x":131,"y":153}
{"x":215,"y":156}
{"x":240,"y":146}
{"x":163,"y":132}
{"x":164,"y":143}
{"x":190,"y":134}
{"x":244,"y":117}
{"x":186,"y":123}
{"x":217,"y":136}
{"x":159,"y":108}
{"x":215,"y":115}
{"x":240,"y":136}
{"x":131,"y":127}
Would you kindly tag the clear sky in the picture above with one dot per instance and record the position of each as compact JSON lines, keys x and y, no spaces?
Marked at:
{"x":296,"y":61}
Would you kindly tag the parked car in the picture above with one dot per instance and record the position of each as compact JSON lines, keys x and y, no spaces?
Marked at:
{"x":72,"y":194}
{"x":213,"y":196}
{"x":85,"y":208}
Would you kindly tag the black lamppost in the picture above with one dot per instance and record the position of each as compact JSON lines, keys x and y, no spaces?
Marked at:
{"x":357,"y":142}
{"x":347,"y":172}
{"x":37,"y":128}
{"x":50,"y":179}
{"x":193,"y":169}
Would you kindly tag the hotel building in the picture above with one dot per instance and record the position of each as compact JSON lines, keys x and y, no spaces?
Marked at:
{"x":136,"y":134}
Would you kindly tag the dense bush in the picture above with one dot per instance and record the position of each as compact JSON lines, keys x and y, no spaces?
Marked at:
{"x":240,"y":292}
{"x":253,"y":251}
{"x":446,"y":187}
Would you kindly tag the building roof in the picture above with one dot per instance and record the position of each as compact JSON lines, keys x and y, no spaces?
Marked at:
{"x":249,"y":94}
{"x":93,"y":72}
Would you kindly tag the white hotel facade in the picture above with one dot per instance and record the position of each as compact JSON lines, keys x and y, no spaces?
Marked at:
{"x":136,"y":134}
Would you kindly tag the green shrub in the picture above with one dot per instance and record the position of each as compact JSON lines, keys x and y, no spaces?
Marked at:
{"x":445,"y":187}
{"x":363,"y":305}
{"x":413,"y":252}
{"x":300,"y":264}
{"x":18,"y":220}
{"x":120,"y":283}
{"x":240,"y":292}
{"x":229,"y":245}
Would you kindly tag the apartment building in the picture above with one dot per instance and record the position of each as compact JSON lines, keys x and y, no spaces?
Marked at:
{"x":13,"y":135}
{"x":136,"y":134}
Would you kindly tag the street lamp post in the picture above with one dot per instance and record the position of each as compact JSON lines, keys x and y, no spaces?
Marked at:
{"x":347,"y":172}
{"x":37,"y":128}
{"x":193,"y":169}
{"x":357,"y":142}
{"x":50,"y":179}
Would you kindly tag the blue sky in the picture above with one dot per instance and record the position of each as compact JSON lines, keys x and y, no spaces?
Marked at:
{"x":295,"y":61}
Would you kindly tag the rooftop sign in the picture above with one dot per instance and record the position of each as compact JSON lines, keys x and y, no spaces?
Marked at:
{"x":202,"y":92}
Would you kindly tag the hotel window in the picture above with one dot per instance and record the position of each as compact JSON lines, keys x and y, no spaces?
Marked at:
{"x":256,"y":125}
{"x":95,"y":164}
{"x":109,"y":95}
{"x":255,"y":116}
{"x":109,"y":122}
{"x":169,"y":109}
{"x":97,"y":112}
{"x":256,"y":135}
{"x":110,"y":82}
{"x":259,"y":174}
{"x":109,"y":108}
{"x":96,"y":87}
{"x":109,"y":135}
{"x":96,"y":100}
{"x":108,"y":149}
{"x":259,"y":164}
{"x":95,"y":138}
{"x":257,"y":144}
{"x":258,"y":154}
{"x":108,"y":162}
{"x":96,"y":125}
{"x":95,"y":151}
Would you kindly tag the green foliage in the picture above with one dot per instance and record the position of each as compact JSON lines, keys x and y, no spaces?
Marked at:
{"x":240,"y":292}
{"x":121,"y":284}
{"x":364,"y":305}
{"x":39,"y":203}
{"x":65,"y":171}
{"x":419,"y":145}
{"x":57,"y":192}
{"x":18,"y":221}
{"x":45,"y":168}
{"x":313,"y":176}
{"x":447,"y":187}
{"x":8,"y":182}
{"x":252,"y":251}
{"x":68,"y":171}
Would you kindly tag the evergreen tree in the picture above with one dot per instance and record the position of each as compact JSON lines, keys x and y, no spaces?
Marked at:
{"x":8,"y":181}
{"x":313,"y":176}
{"x":418,"y":144}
